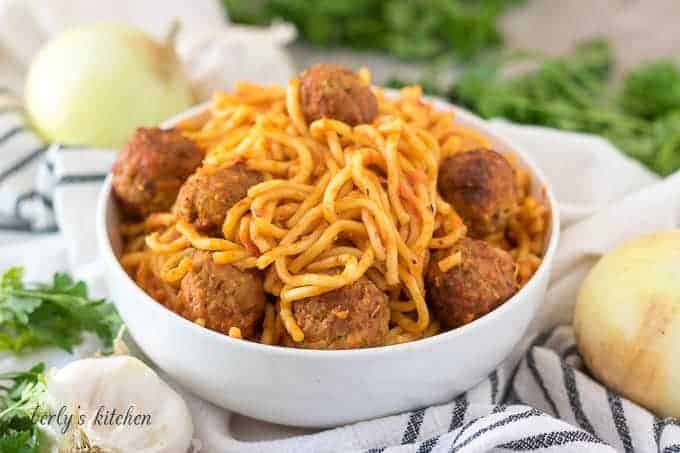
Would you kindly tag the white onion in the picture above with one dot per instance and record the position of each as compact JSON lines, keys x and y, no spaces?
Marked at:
{"x":98,"y":385}
{"x":627,"y":321}
{"x":94,"y":85}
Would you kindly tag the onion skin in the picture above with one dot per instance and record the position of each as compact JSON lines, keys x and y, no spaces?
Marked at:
{"x":93,"y":85}
{"x":627,"y":321}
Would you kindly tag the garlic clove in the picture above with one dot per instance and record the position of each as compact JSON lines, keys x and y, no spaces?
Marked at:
{"x":123,"y":405}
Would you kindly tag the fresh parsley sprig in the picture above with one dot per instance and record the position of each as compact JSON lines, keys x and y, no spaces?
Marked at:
{"x":22,"y":394}
{"x":54,"y":314}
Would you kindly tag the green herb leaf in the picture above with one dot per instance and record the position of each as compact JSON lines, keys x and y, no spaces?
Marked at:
{"x":652,"y":90}
{"x":402,"y":28}
{"x":55,"y":314}
{"x":19,"y":402}
{"x":19,"y":437}
{"x":12,"y":278}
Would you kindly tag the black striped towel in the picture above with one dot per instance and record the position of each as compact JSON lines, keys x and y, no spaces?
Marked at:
{"x":547,"y":403}
{"x":34,"y":175}
{"x":540,"y":399}
{"x":25,"y":184}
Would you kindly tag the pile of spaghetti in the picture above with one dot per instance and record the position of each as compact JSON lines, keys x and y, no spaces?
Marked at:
{"x":337,"y":203}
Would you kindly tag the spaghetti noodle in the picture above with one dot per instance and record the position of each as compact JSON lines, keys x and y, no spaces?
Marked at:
{"x":337,"y":203}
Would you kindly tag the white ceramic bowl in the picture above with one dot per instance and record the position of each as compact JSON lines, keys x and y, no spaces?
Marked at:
{"x":325,"y":388}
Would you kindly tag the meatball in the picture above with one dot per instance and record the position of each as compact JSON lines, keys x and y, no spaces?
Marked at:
{"x":484,"y":279}
{"x":149,"y":280}
{"x":151,"y":168}
{"x":333,"y":91}
{"x":354,"y":316}
{"x":481,"y":186}
{"x":222,"y":296}
{"x":208,"y":194}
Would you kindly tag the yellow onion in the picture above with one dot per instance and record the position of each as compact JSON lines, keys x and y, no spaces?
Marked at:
{"x":93,"y":85}
{"x":627,"y":321}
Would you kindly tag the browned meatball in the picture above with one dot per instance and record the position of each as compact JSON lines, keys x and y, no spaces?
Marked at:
{"x":151,"y":168}
{"x":334,"y":91}
{"x":354,"y":316}
{"x":208,"y":194}
{"x":222,"y":296}
{"x":484,"y":279}
{"x":481,"y":186}
{"x":148,"y":279}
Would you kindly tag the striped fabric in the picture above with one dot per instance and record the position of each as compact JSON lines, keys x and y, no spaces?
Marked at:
{"x":25,"y":190}
{"x":540,"y":400}
{"x":32,"y":172}
{"x":546,"y":403}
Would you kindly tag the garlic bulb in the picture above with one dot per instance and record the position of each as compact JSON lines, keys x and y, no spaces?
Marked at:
{"x":121,"y":405}
{"x":627,"y":321}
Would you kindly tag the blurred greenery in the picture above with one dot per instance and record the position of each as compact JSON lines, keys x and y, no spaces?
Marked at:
{"x":408,"y":29}
{"x":652,"y":90}
{"x":573,"y":92}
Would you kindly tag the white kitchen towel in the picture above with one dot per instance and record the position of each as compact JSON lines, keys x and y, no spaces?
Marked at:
{"x":25,"y":203}
{"x":206,"y":41}
{"x":546,"y":403}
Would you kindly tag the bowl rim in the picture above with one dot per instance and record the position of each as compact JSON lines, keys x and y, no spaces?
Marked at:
{"x":106,"y":250}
